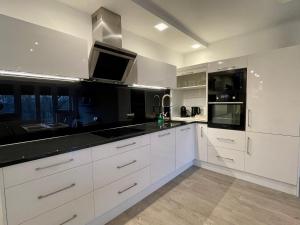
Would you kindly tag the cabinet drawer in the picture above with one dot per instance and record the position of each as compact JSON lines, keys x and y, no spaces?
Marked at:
{"x":24,"y":172}
{"x":227,"y":139}
{"x":77,"y":212}
{"x":111,"y":169}
{"x":28,"y":200}
{"x":112,"y":195}
{"x":226,"y":157}
{"x":107,"y":150}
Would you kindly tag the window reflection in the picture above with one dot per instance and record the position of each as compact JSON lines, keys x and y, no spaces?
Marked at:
{"x":7,"y":104}
{"x":28,"y":107}
{"x":46,"y":107}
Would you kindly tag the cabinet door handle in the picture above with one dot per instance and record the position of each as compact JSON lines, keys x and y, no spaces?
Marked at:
{"x":248,"y":146}
{"x":126,"y":189}
{"x":249,"y":112}
{"x":220,"y":157}
{"x":127,"y":164}
{"x":201,"y":131}
{"x":184,"y":129}
{"x":162,"y":135}
{"x":56,"y":192}
{"x":226,"y":140}
{"x":69,"y":220}
{"x":54,"y":165}
{"x":124,"y":146}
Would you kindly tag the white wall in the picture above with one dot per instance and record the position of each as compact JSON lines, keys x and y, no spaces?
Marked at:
{"x":284,"y":35}
{"x":60,"y":17}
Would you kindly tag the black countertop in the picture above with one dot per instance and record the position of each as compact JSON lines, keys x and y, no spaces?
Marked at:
{"x":23,"y":152}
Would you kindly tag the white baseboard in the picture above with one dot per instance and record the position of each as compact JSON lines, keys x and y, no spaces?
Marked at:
{"x":276,"y":185}
{"x":101,"y":220}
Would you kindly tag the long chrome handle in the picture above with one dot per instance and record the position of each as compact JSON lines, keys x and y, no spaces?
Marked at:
{"x":226,"y":140}
{"x":201,"y":131}
{"x":184,"y":129}
{"x":162,"y":135}
{"x":126,"y":189}
{"x":249,"y":111}
{"x":127,"y":164}
{"x":54,"y":165}
{"x":124,"y":146}
{"x":69,"y":220}
{"x":248,"y":147}
{"x":220,"y":157}
{"x":56,"y":192}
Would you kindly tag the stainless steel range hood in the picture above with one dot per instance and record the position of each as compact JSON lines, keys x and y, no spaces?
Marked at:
{"x":108,"y":61}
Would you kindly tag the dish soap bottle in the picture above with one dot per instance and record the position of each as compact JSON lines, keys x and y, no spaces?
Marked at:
{"x":160,"y":120}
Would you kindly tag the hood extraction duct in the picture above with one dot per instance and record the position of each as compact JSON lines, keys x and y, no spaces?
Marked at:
{"x":108,"y":61}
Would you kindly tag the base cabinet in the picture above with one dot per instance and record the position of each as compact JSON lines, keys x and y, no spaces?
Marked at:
{"x":162,"y":154}
{"x":273,"y":156}
{"x":201,"y":153}
{"x":185,"y":145}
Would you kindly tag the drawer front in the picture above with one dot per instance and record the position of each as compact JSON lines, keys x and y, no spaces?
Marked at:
{"x":77,"y":212}
{"x":31,"y":199}
{"x":227,"y":139}
{"x":107,"y":150}
{"x":226,"y":157}
{"x":111,"y":169}
{"x":112,"y":195}
{"x":21,"y":173}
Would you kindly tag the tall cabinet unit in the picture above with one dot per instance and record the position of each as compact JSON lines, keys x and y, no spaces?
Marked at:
{"x":273,"y":109}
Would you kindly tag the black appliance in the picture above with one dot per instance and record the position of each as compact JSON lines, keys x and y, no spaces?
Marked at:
{"x":227,"y":99}
{"x":195,"y":111}
{"x":183,"y":111}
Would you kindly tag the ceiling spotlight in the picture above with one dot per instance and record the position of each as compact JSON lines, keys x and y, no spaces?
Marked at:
{"x":195,"y":46}
{"x":161,"y":26}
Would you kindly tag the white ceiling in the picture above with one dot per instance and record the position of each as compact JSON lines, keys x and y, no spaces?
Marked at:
{"x":210,"y":20}
{"x":138,"y":21}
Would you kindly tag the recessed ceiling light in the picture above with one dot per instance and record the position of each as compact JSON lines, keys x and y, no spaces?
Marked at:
{"x":220,"y":62}
{"x":161,"y":26}
{"x":195,"y":46}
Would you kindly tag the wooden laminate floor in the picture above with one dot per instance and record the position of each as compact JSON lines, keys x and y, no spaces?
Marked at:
{"x":200,"y":196}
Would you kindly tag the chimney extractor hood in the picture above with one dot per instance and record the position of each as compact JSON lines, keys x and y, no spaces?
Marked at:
{"x":109,"y":62}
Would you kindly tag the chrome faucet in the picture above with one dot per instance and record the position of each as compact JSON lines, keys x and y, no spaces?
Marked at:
{"x":163,"y":104}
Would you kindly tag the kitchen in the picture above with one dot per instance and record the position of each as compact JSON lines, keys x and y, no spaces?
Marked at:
{"x":168,"y":119}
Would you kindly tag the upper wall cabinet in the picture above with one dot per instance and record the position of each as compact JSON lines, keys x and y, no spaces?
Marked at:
{"x":26,"y":47}
{"x":228,"y":64}
{"x":273,"y":92}
{"x":152,"y":73}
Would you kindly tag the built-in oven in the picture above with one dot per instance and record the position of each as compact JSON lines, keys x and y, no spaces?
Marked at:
{"x":227,"y":99}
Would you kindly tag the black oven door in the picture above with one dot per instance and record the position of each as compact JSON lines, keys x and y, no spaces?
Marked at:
{"x":226,"y":115}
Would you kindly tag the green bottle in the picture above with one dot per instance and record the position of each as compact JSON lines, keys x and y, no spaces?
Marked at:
{"x":160,"y":120}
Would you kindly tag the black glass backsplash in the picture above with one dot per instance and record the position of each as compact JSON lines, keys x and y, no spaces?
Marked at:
{"x":33,"y":109}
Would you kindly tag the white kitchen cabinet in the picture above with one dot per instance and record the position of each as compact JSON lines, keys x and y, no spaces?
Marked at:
{"x":77,"y":212}
{"x":185,"y":145}
{"x":26,"y":47}
{"x":112,"y":195}
{"x":162,"y":154}
{"x":273,"y":156}
{"x":228,"y":64}
{"x":149,"y":72}
{"x":111,"y":169}
{"x":273,"y":92}
{"x":201,"y":153}
{"x":226,"y":157}
{"x":231,"y":139}
{"x":31,"y":199}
